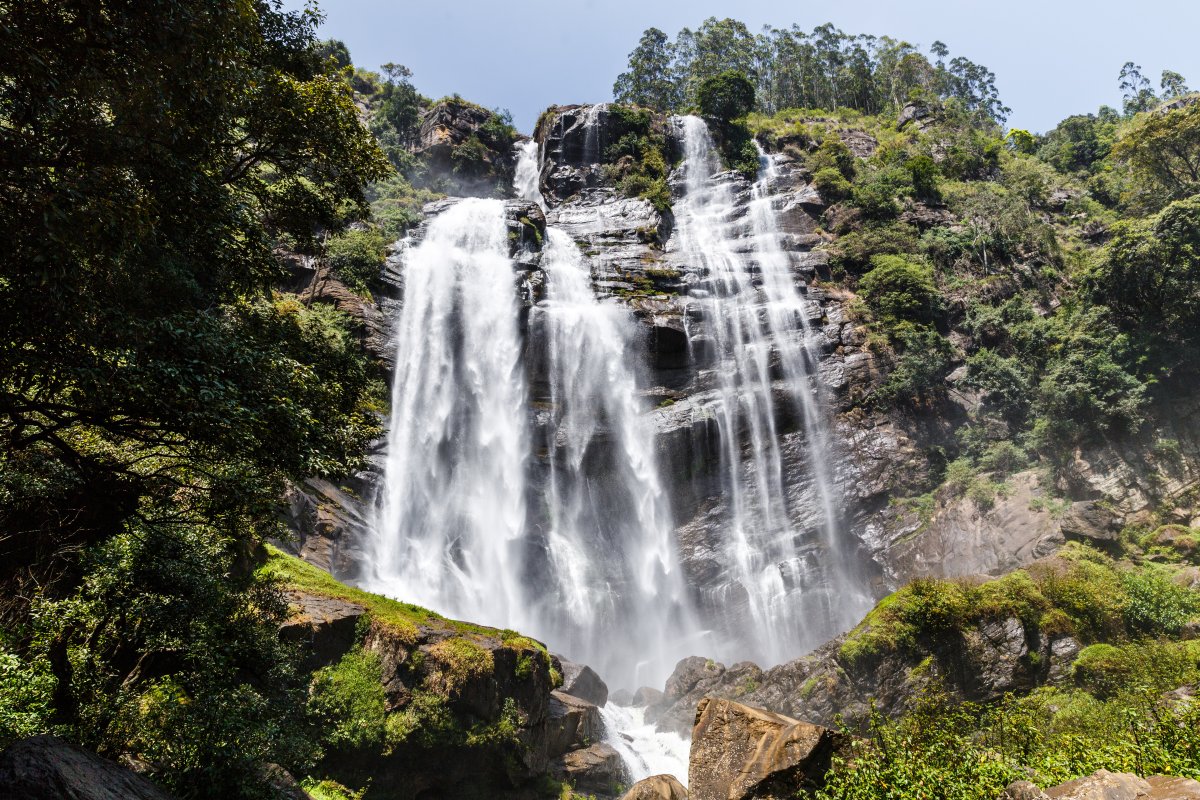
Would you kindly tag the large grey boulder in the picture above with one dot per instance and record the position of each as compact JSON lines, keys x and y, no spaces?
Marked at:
{"x":596,"y":768}
{"x":573,"y":723}
{"x":48,"y":768}
{"x":657,"y":787}
{"x":580,"y":680}
{"x":739,"y":752}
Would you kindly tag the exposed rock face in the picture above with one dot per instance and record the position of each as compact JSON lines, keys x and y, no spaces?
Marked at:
{"x":574,"y":723}
{"x":657,"y":787}
{"x":742,"y":752}
{"x":47,"y":768}
{"x":328,"y":525}
{"x":454,"y":125}
{"x":1105,"y":785}
{"x":324,"y":626}
{"x":962,"y":539}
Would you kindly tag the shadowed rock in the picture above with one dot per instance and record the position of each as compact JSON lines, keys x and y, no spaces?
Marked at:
{"x":47,"y":768}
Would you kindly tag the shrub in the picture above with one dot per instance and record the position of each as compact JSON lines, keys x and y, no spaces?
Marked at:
{"x":899,"y":288}
{"x":357,"y":256}
{"x":26,"y":695}
{"x":1156,"y":605}
{"x":832,"y":185}
{"x":349,"y":700}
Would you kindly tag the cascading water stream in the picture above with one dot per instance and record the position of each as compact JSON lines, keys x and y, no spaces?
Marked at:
{"x":527,"y":176}
{"x":618,"y":595}
{"x":786,"y":565}
{"x":453,"y":507}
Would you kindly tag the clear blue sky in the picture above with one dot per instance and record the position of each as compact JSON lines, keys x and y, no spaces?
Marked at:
{"x":1051,"y":57}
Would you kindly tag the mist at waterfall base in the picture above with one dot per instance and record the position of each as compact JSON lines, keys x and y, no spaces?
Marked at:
{"x":537,"y":503}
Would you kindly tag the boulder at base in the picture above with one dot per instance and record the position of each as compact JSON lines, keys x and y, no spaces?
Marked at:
{"x":47,"y":768}
{"x":580,"y":680}
{"x":657,"y":787}
{"x":739,"y":752}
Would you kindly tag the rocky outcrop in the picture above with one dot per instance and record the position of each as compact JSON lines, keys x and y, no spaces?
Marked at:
{"x":739,"y":752}
{"x":582,"y":681}
{"x":574,"y":141}
{"x":313,"y":281}
{"x":487,"y":715}
{"x":595,"y":768}
{"x":657,"y":787}
{"x":980,"y":663}
{"x":47,"y":768}
{"x":1105,"y":785}
{"x":327,"y":524}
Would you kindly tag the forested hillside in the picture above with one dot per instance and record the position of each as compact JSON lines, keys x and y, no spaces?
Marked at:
{"x":207,"y":211}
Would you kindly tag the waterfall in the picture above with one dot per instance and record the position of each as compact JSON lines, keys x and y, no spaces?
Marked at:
{"x":790,"y":585}
{"x":528,"y":175}
{"x":612,"y":591}
{"x":453,"y":511}
{"x":616,"y":597}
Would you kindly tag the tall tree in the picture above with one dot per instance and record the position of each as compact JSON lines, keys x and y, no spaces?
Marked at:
{"x":1173,"y":85}
{"x":649,"y":80}
{"x":1136,"y":91}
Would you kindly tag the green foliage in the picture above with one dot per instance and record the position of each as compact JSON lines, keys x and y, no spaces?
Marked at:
{"x":26,"y":696}
{"x":1163,"y":151}
{"x":1079,"y":144}
{"x":425,"y":721}
{"x":832,"y":154}
{"x":899,"y":289}
{"x":824,"y":68}
{"x":924,"y":175}
{"x":970,"y":752}
{"x":329,"y":790}
{"x":725,"y":97}
{"x":1156,"y":604}
{"x":1081,"y":593}
{"x":649,"y":80}
{"x":832,"y":185}
{"x":1106,"y":670}
{"x":174,"y":656}
{"x":917,"y":377}
{"x":638,"y":157}
{"x":357,"y":256}
{"x":1150,"y":277}
{"x":349,"y":701}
